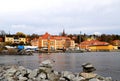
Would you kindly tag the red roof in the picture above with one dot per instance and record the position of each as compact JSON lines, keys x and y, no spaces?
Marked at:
{"x":116,"y":41}
{"x":94,"y":42}
{"x":48,"y":36}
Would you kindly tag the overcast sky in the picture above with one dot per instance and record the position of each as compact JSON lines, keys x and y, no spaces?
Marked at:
{"x":40,"y":16}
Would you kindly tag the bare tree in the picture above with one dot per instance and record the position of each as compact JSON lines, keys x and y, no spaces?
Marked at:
{"x":2,"y":32}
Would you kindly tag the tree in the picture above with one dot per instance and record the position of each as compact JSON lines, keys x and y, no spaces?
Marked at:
{"x":34,"y":36}
{"x":20,"y":34}
{"x":2,"y":32}
{"x":8,"y":43}
{"x":21,"y":43}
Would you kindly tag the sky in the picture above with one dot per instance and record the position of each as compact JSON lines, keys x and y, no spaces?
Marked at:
{"x":54,"y":16}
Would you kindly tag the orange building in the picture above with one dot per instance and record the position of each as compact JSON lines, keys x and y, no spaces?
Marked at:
{"x":53,"y":42}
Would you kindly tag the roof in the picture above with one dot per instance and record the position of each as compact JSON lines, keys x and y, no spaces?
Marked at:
{"x":48,"y":36}
{"x":94,"y":42}
{"x":116,"y":41}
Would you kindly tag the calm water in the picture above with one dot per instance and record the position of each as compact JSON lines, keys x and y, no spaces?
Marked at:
{"x":106,"y":63}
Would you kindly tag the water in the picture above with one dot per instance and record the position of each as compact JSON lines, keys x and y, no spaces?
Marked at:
{"x":106,"y":63}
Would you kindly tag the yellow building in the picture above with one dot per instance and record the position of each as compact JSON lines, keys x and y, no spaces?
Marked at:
{"x":15,"y":39}
{"x":9,"y":38}
{"x":95,"y":45}
{"x":101,"y":48}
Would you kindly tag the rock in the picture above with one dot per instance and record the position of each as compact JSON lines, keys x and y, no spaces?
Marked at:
{"x":46,"y":73}
{"x":29,"y":71}
{"x":11,"y":71}
{"x":65,"y":73}
{"x":88,"y":75}
{"x":47,"y":63}
{"x":100,"y":77}
{"x":61,"y":79}
{"x":42,"y":75}
{"x":53,"y":77}
{"x":31,"y":80}
{"x":33,"y":73}
{"x":21,"y":78}
{"x":88,"y":67}
{"x":94,"y":79}
{"x":22,"y":70}
{"x":10,"y":79}
{"x":17,"y":73}
{"x":79,"y":78}
{"x":108,"y":79}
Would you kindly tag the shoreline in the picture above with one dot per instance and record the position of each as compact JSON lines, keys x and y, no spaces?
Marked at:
{"x":45,"y":72}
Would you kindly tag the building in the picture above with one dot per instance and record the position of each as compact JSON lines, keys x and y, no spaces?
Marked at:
{"x":95,"y":45}
{"x":101,"y":47}
{"x":53,"y":42}
{"x":1,"y":39}
{"x":34,"y":42}
{"x":15,"y":39}
{"x":116,"y":44}
{"x":85,"y":44}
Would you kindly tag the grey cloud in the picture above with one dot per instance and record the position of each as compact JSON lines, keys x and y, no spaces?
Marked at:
{"x":88,"y":16}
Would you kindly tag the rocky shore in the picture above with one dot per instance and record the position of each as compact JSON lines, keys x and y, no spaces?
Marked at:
{"x":45,"y":72}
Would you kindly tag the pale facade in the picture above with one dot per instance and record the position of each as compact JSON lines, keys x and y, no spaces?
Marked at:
{"x":15,"y":39}
{"x":9,"y":39}
{"x":54,"y":42}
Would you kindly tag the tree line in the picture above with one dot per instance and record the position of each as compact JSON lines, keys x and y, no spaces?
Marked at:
{"x":78,"y":38}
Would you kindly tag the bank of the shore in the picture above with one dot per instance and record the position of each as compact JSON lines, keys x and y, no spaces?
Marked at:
{"x":45,"y":72}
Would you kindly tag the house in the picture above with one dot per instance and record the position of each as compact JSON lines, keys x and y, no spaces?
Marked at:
{"x":15,"y":39}
{"x":101,"y":46}
{"x":53,"y":42}
{"x":35,"y":42}
{"x":116,"y":44}
{"x":1,"y":39}
{"x":85,"y":44}
{"x":95,"y":45}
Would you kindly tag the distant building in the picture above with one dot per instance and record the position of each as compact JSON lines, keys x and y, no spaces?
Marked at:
{"x":53,"y":42}
{"x":35,"y":42}
{"x":116,"y":43}
{"x":1,"y":39}
{"x":15,"y":39}
{"x":95,"y":45}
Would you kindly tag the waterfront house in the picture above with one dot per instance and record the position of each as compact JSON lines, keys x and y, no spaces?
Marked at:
{"x":101,"y":46}
{"x":53,"y":42}
{"x":85,"y":44}
{"x":34,"y":42}
{"x":15,"y":39}
{"x":116,"y":44}
{"x":95,"y":45}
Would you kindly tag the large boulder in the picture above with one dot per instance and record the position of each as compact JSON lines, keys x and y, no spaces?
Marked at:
{"x":88,"y":67}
